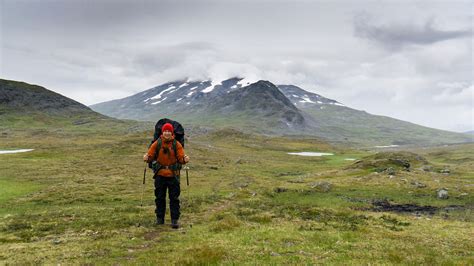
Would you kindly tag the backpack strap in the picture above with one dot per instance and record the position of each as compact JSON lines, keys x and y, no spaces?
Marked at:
{"x":154,"y":164}
{"x":174,"y":148}
{"x":158,"y":148}
{"x":177,"y":165}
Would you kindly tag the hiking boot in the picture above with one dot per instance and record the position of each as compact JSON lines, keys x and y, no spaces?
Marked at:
{"x":174,"y":224}
{"x":160,"y":221}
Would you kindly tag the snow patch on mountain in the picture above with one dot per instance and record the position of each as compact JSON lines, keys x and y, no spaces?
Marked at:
{"x":158,"y":96}
{"x":183,"y":85}
{"x":211,"y":87}
{"x":246,"y":81}
{"x":306,"y":99}
{"x":159,"y":101}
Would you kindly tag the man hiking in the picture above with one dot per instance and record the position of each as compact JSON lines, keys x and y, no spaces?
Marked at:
{"x":167,"y":173}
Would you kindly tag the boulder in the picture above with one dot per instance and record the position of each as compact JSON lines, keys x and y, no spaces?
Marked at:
{"x":445,"y":171}
{"x":418,"y":184}
{"x":442,"y":193}
{"x":322,"y":186}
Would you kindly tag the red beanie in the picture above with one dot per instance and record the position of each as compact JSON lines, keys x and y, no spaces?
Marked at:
{"x":168,"y":127}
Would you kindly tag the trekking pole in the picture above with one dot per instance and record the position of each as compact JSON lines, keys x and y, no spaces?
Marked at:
{"x":187,"y":177}
{"x":187,"y":183}
{"x":141,"y":197}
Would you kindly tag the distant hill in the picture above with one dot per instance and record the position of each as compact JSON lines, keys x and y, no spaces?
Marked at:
{"x":27,"y":97}
{"x":469,"y":132}
{"x":26,"y":105}
{"x":266,"y":108}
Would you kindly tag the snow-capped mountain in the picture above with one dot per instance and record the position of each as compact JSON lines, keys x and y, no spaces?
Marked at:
{"x":236,"y":100}
{"x":264,"y":107}
{"x":172,"y":96}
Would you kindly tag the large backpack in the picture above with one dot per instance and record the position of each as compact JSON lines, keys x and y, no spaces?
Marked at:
{"x":178,"y":136}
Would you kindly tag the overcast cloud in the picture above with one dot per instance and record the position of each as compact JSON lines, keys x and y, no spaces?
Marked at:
{"x":410,"y":60}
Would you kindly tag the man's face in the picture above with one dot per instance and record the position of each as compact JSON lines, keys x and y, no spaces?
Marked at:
{"x":167,"y":134}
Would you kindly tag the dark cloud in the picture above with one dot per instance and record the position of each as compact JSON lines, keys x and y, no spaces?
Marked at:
{"x":396,"y":36}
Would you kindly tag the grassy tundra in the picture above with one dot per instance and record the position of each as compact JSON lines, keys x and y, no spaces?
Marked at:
{"x":75,"y":199}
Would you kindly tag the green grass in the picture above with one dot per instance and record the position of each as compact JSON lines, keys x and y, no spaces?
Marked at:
{"x":13,"y":189}
{"x":75,"y":199}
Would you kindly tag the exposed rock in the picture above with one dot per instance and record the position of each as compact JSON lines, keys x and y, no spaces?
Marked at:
{"x":390,"y":171}
{"x":445,"y":171}
{"x":442,"y":193}
{"x":322,"y":186}
{"x":427,"y":168}
{"x":418,"y":184}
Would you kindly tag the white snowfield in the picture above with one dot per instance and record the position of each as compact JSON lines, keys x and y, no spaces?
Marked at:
{"x":306,"y":99}
{"x":246,"y":81}
{"x":305,"y":153}
{"x":211,"y":87}
{"x":388,"y":146}
{"x":14,"y":151}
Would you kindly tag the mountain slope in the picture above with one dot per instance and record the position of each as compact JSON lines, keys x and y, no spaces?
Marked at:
{"x":339,"y":122}
{"x":23,"y":105}
{"x":26,"y":97}
{"x":233,"y":102}
{"x":265,"y":108}
{"x":169,"y":99}
{"x":261,"y":104}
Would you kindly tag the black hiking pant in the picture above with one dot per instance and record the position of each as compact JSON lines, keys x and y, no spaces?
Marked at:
{"x":171,"y":184}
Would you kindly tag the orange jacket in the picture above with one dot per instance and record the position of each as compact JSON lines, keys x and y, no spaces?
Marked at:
{"x":166,"y":159}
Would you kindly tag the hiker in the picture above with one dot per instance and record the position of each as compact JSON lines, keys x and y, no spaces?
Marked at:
{"x":167,"y":173}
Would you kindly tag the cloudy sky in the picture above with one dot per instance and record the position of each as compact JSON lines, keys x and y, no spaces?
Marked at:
{"x":411,"y":60}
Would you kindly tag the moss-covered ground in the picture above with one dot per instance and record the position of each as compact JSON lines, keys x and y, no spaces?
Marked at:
{"x":75,"y":199}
